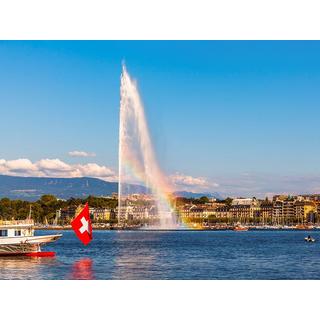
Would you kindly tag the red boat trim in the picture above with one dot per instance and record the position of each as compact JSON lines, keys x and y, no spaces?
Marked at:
{"x":40,"y":254}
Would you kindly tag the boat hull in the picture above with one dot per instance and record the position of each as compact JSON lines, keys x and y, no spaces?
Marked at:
{"x":25,"y":245}
{"x":240,"y":229}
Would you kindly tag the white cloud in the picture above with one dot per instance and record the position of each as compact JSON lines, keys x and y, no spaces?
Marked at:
{"x":20,"y":165}
{"x":95,"y":170}
{"x":191,"y":183}
{"x":53,"y":165}
{"x":55,"y":168}
{"x":81,"y":154}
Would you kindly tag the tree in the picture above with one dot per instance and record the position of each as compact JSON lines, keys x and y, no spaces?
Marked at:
{"x":48,"y":199}
{"x":204,"y":200}
{"x":228,"y":201}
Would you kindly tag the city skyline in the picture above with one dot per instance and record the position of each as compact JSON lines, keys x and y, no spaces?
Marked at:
{"x":237,"y":118}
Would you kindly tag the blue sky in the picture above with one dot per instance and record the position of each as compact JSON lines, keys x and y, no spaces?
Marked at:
{"x":240,"y":116}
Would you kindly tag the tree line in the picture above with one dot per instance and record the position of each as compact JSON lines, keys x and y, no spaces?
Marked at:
{"x":46,"y":207}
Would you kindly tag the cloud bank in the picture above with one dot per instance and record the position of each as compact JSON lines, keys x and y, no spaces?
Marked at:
{"x":55,"y":168}
{"x":245,"y":184}
{"x":59,"y":169}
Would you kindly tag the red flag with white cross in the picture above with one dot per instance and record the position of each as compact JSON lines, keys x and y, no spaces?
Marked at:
{"x":81,"y":225}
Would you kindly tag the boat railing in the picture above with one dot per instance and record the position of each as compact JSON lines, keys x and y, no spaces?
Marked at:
{"x":16,"y":222}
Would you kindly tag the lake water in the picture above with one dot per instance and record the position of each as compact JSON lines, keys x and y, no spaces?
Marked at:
{"x":174,"y":255}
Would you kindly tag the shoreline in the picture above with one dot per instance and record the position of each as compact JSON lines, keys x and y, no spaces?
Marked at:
{"x":255,"y":228}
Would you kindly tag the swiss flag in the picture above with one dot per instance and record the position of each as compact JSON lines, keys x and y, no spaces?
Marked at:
{"x":81,"y":225}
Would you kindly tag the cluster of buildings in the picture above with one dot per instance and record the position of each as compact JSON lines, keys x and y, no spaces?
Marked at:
{"x":282,"y":209}
{"x":146,"y":213}
{"x":97,"y":214}
{"x":143,"y":213}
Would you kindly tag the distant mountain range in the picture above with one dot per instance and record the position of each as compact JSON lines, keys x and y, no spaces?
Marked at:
{"x":32,"y":188}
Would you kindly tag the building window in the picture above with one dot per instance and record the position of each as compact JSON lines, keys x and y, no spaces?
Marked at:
{"x":17,"y":233}
{"x":3,"y":233}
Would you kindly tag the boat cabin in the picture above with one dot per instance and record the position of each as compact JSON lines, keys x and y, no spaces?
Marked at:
{"x":16,"y":228}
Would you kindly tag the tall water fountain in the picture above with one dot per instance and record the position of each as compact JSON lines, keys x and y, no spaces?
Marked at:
{"x":137,"y":162}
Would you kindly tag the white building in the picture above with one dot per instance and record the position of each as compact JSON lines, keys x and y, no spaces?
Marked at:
{"x":243,"y":201}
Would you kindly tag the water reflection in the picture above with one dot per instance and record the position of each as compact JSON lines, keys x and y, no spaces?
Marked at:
{"x":82,"y":270}
{"x":174,"y":255}
{"x":24,"y":267}
{"x":135,"y":257}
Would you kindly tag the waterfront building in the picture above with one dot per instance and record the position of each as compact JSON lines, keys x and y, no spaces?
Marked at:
{"x":192,"y":211}
{"x":266,"y":210}
{"x":240,"y":213}
{"x":184,"y":212}
{"x":113,"y":214}
{"x":317,"y":204}
{"x":209,"y":212}
{"x":100,"y":214}
{"x":68,"y":213}
{"x":125,"y":213}
{"x":293,"y":210}
{"x":310,"y":211}
{"x":144,"y":213}
{"x":299,"y":211}
{"x":255,"y":211}
{"x":138,"y":213}
{"x":284,"y":209}
{"x":197,"y":212}
{"x":277,"y":212}
{"x":288,"y":211}
{"x":222,"y":212}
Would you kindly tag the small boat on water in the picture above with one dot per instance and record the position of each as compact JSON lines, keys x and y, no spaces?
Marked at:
{"x":17,"y":238}
{"x":303,"y":227}
{"x":309,"y":239}
{"x":240,"y":228}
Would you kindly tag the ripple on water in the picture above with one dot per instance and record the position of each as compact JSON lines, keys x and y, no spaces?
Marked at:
{"x":174,"y":255}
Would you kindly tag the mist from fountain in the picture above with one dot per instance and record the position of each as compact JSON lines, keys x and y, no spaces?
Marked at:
{"x":137,"y":161}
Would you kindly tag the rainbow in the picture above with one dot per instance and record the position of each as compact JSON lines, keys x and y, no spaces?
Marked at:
{"x":136,"y":156}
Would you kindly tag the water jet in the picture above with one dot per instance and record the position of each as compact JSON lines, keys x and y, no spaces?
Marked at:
{"x":137,"y":160}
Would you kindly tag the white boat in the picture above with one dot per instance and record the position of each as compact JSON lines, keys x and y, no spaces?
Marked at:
{"x":309,"y":239}
{"x":240,"y":228}
{"x":17,"y":238}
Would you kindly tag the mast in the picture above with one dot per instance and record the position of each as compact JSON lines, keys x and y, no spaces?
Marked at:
{"x":30,"y":211}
